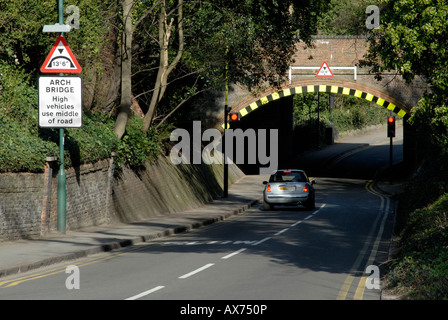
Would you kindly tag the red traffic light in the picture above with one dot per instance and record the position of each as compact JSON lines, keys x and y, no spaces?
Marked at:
{"x":391,"y":126}
{"x":234,"y":116}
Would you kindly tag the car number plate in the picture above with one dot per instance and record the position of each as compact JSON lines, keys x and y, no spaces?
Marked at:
{"x":287,"y":188}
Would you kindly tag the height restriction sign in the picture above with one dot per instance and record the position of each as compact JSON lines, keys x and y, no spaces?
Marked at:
{"x":324,"y":71}
{"x":60,"y":59}
{"x":60,"y":102}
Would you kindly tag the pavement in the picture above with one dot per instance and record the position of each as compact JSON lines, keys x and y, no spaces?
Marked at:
{"x":25,"y":255}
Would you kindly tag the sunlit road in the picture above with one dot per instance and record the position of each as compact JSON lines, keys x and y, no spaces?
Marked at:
{"x":286,"y":254}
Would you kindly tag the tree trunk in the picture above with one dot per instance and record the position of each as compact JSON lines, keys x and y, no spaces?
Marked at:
{"x":164,"y":67}
{"x":126,"y":64}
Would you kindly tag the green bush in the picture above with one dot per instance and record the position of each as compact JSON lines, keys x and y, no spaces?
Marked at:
{"x":21,"y":151}
{"x":92,"y":142}
{"x":24,"y":146}
{"x":420,"y":270}
{"x":349,"y":112}
{"x":136,"y":147}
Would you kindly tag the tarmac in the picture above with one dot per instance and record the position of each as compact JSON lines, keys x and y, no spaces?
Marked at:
{"x":26,"y":255}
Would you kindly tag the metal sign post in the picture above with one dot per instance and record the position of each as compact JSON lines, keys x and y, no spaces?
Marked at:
{"x":60,"y":103}
{"x":62,"y":182}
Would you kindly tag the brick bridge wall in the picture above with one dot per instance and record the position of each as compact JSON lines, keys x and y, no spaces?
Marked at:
{"x":338,"y":51}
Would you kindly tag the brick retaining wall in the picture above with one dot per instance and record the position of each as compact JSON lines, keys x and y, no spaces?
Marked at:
{"x":20,"y":205}
{"x":95,"y":196}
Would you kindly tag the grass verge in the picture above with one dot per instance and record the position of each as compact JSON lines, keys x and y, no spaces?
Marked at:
{"x":419,"y":269}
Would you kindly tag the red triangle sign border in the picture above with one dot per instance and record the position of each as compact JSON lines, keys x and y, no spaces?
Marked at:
{"x":324,"y":75}
{"x":44,"y":68}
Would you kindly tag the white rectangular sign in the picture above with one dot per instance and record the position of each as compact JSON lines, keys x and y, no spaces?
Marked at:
{"x":60,"y":102}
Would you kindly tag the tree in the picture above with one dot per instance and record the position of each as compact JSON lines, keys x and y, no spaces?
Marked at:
{"x":412,"y":40}
{"x":21,"y":39}
{"x":126,"y":69}
{"x":254,"y":39}
{"x":129,"y":27}
{"x":345,"y":17}
{"x":165,"y":67}
{"x":24,"y":45}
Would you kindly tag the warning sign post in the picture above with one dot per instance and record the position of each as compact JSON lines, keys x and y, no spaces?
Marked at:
{"x":60,"y":102}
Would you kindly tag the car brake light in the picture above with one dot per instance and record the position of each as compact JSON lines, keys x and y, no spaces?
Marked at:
{"x":305,"y":189}
{"x":287,"y":171}
{"x":268,"y":188}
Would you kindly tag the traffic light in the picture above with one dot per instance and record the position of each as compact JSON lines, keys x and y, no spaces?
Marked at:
{"x":390,"y":126}
{"x":234,"y":117}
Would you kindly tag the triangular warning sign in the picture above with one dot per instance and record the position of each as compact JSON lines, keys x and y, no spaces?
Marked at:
{"x":324,"y":71}
{"x":60,"y":59}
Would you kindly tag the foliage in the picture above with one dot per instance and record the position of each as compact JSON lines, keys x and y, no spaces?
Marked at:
{"x":248,"y":42}
{"x":91,"y":142}
{"x":348,"y":112}
{"x":21,"y":149}
{"x":21,"y":39}
{"x":17,"y":97}
{"x":412,"y":39}
{"x":24,"y":146}
{"x":23,"y":43}
{"x":136,"y":147}
{"x":256,"y":38}
{"x":345,"y":17}
{"x":420,"y":271}
{"x":431,"y":117}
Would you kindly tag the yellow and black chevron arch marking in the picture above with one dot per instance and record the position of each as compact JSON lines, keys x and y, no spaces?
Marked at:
{"x":324,"y":88}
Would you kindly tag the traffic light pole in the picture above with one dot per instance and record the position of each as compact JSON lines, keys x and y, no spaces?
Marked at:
{"x":226,"y":115}
{"x":226,"y":165}
{"x":391,"y":152}
{"x":391,"y":135}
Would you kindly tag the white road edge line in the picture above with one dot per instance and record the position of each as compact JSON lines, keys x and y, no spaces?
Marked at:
{"x":196,"y":271}
{"x":261,"y":241}
{"x":233,"y":253}
{"x":145,"y":293}
{"x":281,"y":231}
{"x":315,"y":212}
{"x":321,"y":207}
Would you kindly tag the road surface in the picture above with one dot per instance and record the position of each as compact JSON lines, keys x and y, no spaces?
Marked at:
{"x":334,"y":252}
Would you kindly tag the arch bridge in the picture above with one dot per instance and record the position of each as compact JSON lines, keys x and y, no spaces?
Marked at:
{"x":342,"y":54}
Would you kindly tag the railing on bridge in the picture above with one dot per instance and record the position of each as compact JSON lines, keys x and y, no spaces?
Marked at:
{"x":317,"y":68}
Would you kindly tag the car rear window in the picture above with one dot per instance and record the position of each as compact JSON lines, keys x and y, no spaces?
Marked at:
{"x":287,"y":176}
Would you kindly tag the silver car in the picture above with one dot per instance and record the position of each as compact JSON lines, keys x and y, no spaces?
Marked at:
{"x":289,"y":187}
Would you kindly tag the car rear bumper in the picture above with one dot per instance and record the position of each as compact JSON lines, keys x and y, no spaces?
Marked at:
{"x":285,"y":199}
